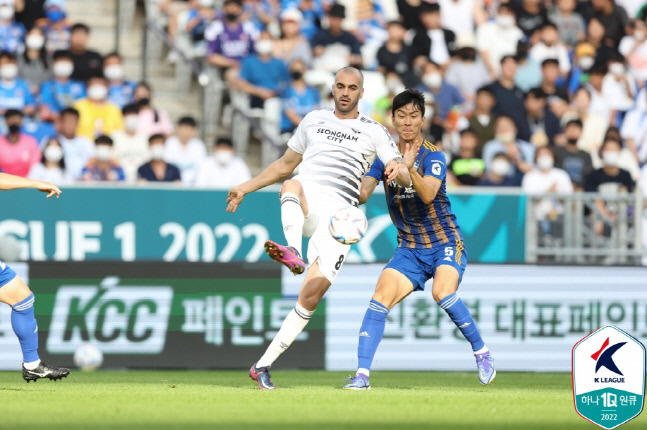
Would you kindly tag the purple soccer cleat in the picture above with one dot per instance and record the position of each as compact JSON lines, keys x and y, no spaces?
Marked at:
{"x":286,"y":255}
{"x":485,"y":364}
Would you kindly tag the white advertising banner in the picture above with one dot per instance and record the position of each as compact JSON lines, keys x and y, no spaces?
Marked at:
{"x":529,"y":316}
{"x":10,"y":354}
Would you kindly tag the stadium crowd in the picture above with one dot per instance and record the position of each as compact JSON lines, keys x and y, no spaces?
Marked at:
{"x":539,"y":94}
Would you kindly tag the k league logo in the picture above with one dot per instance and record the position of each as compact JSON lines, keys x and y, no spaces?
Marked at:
{"x":609,"y":377}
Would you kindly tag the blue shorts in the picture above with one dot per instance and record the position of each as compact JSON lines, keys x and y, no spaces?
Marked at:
{"x":6,"y":274}
{"x":419,"y":265}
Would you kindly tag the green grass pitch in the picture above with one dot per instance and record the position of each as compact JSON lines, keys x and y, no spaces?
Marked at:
{"x":305,"y":400}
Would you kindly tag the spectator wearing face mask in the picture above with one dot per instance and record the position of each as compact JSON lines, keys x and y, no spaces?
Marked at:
{"x":482,"y":120}
{"x":158,"y":170}
{"x":500,"y":173}
{"x":130,"y":147}
{"x":87,"y":63}
{"x":14,"y":91}
{"x":570,"y":24}
{"x":582,"y":62}
{"x":298,"y":98}
{"x":549,"y":46}
{"x":570,"y":158}
{"x":519,"y":152}
{"x":223,"y":169}
{"x":60,"y":92}
{"x":12,"y":33}
{"x":634,"y":48}
{"x":466,"y":72}
{"x":55,"y":27}
{"x":103,"y":167}
{"x":445,"y":94}
{"x":151,"y":120}
{"x":626,"y":160}
{"x":466,"y":167}
{"x":33,"y":64}
{"x":98,"y":115}
{"x":185,"y":150}
{"x":52,"y":166}
{"x":546,"y":178}
{"x":497,"y":39}
{"x":121,"y":92}
{"x":77,"y":150}
{"x":262,"y":76}
{"x":18,"y":151}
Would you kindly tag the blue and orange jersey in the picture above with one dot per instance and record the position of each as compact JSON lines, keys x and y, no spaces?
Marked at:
{"x":421,"y":225}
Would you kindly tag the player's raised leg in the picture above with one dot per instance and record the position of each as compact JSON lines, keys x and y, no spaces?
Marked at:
{"x":312,"y":290}
{"x":444,"y":288}
{"x":294,"y":209}
{"x":16,"y":294}
{"x":392,"y":287}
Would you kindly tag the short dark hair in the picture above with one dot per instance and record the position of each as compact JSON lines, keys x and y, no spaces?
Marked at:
{"x":598,"y":68}
{"x":606,"y":141}
{"x":550,"y":62}
{"x":7,"y":54}
{"x":543,"y":148}
{"x":224,"y":141}
{"x":508,"y":57}
{"x":548,"y":24}
{"x":156,"y":136}
{"x":187,"y":120}
{"x":112,"y":54}
{"x":467,"y":131}
{"x":70,"y":111}
{"x":575,"y":122}
{"x":103,"y":140}
{"x":486,"y":89}
{"x":13,"y":112}
{"x":130,"y":108}
{"x":410,"y":95}
{"x":508,"y":7}
{"x":536,"y":93}
{"x":426,"y":7}
{"x":61,"y":53}
{"x":79,"y":26}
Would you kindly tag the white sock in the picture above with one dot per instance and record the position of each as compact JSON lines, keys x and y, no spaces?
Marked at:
{"x":293,"y":324}
{"x":292,"y":219}
{"x":31,"y":365}
{"x":481,"y":351}
{"x":363,"y":371}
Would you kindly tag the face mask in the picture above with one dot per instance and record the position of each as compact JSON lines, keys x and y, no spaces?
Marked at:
{"x":205,"y":3}
{"x":611,"y":158}
{"x":97,"y":92}
{"x":508,"y":137}
{"x":53,"y":153}
{"x":114,"y":72}
{"x":585,"y":63}
{"x":55,"y":15}
{"x":6,"y":12}
{"x":9,"y":71}
{"x":500,"y":167}
{"x":34,"y":41}
{"x":433,"y":80}
{"x":616,"y":69}
{"x":104,"y":152}
{"x":63,"y":69}
{"x":131,"y":122}
{"x":393,"y":85}
{"x":13,"y":128}
{"x":545,"y":162}
{"x":231,"y":17}
{"x":640,"y":34}
{"x":157,"y":151}
{"x":264,"y":47}
{"x":505,"y":21}
{"x":223,"y":157}
{"x":296,"y":74}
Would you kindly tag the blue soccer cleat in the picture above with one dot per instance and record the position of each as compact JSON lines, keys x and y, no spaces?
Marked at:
{"x":485,"y":364}
{"x":358,"y":382}
{"x":262,"y":376}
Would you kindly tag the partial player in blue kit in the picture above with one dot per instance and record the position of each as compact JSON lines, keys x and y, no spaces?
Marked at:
{"x":15,"y":293}
{"x":430,"y":243}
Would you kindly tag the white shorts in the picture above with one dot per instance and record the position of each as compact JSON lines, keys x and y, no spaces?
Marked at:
{"x":322,"y":246}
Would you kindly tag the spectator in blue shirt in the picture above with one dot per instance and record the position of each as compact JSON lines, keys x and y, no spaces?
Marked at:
{"x":298,"y":99}
{"x":445,"y":94}
{"x":261,"y":13}
{"x":103,"y":167}
{"x":198,"y":18}
{"x":263,"y":76}
{"x":312,"y":12}
{"x":14,"y":92}
{"x":61,"y":92}
{"x":120,"y":91}
{"x":12,"y":33}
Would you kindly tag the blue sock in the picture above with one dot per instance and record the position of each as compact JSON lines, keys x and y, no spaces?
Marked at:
{"x":371,"y":333}
{"x":462,"y":317}
{"x":24,"y":325}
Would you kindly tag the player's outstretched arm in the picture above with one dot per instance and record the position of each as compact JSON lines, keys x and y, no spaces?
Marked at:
{"x":11,"y":182}
{"x":396,"y":170}
{"x":366,"y":189}
{"x":279,"y":169}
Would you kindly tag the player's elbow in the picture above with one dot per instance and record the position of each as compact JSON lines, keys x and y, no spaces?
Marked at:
{"x":427,"y":198}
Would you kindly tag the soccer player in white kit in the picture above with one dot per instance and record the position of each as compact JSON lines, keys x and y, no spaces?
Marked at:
{"x":334,"y":149}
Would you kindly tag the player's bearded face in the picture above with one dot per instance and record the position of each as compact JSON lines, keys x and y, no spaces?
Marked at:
{"x":347,"y":92}
{"x":408,"y":121}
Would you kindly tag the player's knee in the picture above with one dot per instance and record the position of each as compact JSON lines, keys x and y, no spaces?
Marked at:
{"x":441,"y":291}
{"x":291,"y":186}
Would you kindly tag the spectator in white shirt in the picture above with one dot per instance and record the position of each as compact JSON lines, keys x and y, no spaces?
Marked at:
{"x":77,"y":150}
{"x":634,"y":49}
{"x":52,"y":165}
{"x":130,"y":146}
{"x":549,"y":46}
{"x":185,"y":150}
{"x":498,"y":38}
{"x":634,"y":128}
{"x":223,"y":169}
{"x":461,"y":16}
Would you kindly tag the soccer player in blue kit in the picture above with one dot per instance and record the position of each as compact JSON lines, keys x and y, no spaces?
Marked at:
{"x":430,"y":243}
{"x":15,"y":293}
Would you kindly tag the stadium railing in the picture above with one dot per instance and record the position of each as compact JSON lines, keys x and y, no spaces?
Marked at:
{"x":572,"y":229}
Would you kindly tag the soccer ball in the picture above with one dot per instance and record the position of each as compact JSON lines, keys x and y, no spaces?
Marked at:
{"x":348,"y":225}
{"x":88,"y":357}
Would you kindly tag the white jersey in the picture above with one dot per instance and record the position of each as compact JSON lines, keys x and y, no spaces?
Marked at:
{"x":337,"y":152}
